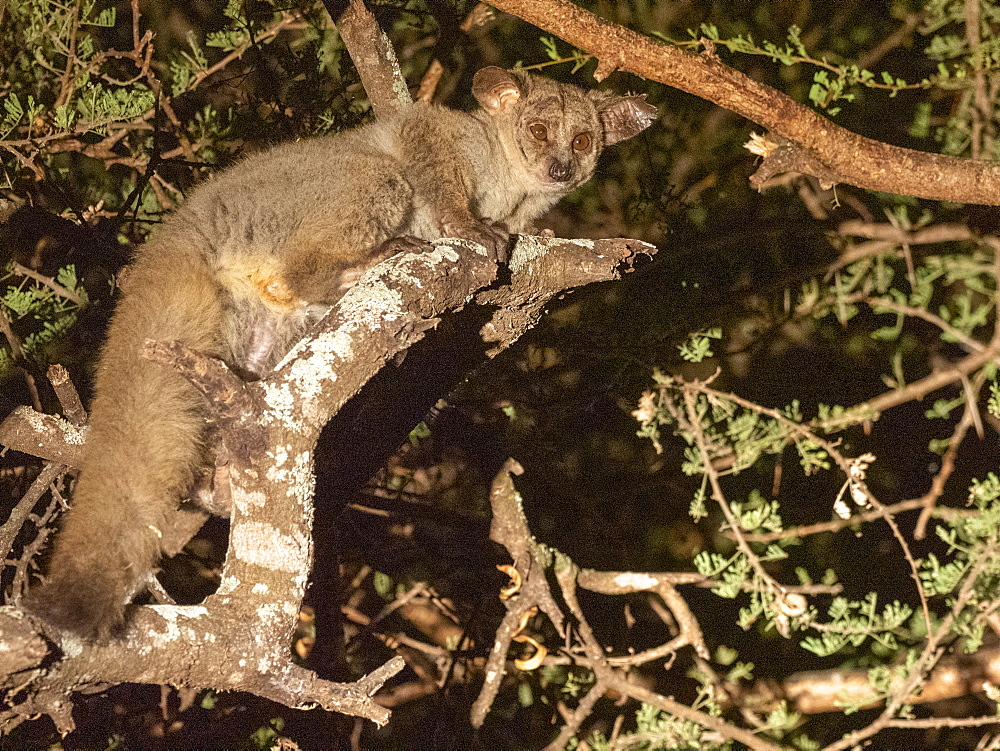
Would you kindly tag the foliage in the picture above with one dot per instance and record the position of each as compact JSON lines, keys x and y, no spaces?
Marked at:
{"x":818,"y":363}
{"x":952,"y":289}
{"x":39,"y":315}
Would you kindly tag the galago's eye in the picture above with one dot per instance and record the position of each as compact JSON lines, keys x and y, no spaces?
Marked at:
{"x":582,"y":142}
{"x":539,"y":131}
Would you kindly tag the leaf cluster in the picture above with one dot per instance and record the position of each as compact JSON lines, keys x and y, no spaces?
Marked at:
{"x":39,"y":316}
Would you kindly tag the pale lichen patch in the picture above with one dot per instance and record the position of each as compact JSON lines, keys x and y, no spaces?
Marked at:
{"x":314,"y":372}
{"x":72,"y":646}
{"x":461,"y":242}
{"x":270,"y":614}
{"x":263,"y":545}
{"x":277,"y":472}
{"x":444,"y":252}
{"x":409,"y":274}
{"x":226,"y":585}
{"x":244,"y":498}
{"x":301,"y":480}
{"x":173,"y":615}
{"x":280,"y":454}
{"x":530,"y":247}
{"x":636,"y":580}
{"x":313,"y":363}
{"x":277,"y":476}
{"x":72,"y":434}
{"x":48,"y":425}
{"x":372,"y":301}
{"x":326,"y":350}
{"x":280,"y":397}
{"x":176,"y":612}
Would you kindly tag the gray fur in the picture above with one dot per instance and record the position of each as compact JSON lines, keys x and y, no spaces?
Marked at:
{"x":241,"y":269}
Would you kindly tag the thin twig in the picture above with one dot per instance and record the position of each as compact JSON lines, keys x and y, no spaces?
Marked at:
{"x":49,"y":282}
{"x":10,"y":528}
{"x":12,"y":339}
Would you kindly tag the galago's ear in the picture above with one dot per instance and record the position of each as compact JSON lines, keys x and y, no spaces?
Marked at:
{"x":624,"y":116}
{"x":495,"y":89}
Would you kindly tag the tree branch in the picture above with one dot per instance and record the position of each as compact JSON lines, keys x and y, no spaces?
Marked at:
{"x":239,"y":638}
{"x":819,"y":146}
{"x":372,"y":55}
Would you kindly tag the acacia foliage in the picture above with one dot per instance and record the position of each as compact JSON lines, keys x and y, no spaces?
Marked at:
{"x":821,"y":317}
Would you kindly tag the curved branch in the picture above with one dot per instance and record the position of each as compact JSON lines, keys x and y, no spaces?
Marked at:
{"x":831,"y":152}
{"x":237,"y":640}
